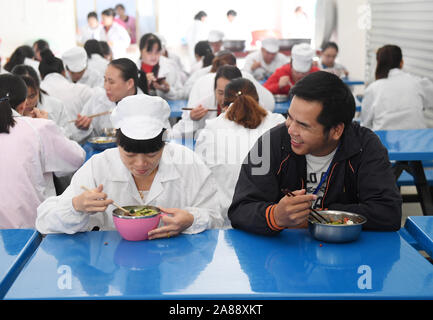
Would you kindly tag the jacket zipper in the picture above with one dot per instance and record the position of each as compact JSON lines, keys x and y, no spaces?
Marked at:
{"x":327,"y":185}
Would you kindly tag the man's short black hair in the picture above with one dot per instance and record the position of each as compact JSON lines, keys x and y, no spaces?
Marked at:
{"x":232,"y":13}
{"x":334,"y":95}
{"x":92,"y":14}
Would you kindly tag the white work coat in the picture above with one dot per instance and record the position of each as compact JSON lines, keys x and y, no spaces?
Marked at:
{"x":223,"y":145}
{"x":393,"y":103}
{"x":92,"y":78}
{"x":73,"y":95}
{"x":168,"y":69}
{"x":98,"y":63}
{"x":119,"y":38}
{"x":205,"y":86}
{"x":33,"y":150}
{"x":88,"y":33}
{"x":56,"y":112}
{"x":265,"y":70}
{"x":182,"y":181}
{"x":187,"y":87}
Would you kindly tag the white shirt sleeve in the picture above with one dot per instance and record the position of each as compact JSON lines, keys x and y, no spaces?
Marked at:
{"x":367,"y":109}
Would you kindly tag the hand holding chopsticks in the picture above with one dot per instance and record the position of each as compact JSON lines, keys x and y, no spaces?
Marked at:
{"x":95,"y":115}
{"x":114,"y":203}
{"x":314,"y":214}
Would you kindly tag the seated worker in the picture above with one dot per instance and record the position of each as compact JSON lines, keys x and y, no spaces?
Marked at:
{"x":286,"y":76}
{"x":327,"y":60}
{"x":78,"y":71}
{"x":143,"y":170}
{"x":264,"y":62}
{"x":395,"y":101}
{"x":324,"y":158}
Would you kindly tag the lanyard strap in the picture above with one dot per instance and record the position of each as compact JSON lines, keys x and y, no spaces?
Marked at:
{"x":326,"y":173}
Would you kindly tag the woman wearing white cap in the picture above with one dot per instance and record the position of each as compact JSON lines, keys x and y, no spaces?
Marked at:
{"x":262,"y":63}
{"x":286,"y":76}
{"x":157,"y":72}
{"x":73,"y":95}
{"x":142,"y":170}
{"x":215,"y":39}
{"x":78,"y":71}
{"x":226,"y":140}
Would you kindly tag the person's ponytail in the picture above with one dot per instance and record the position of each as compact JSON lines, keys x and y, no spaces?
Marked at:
{"x":6,"y":119}
{"x":244,"y":108}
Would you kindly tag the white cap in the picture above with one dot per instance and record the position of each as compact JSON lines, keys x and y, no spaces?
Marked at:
{"x":141,"y":117}
{"x":75,"y":59}
{"x":215,"y":36}
{"x":302,"y":57}
{"x":162,"y":39}
{"x":271,"y":45}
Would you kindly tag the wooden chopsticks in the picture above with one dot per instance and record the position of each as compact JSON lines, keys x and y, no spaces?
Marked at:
{"x":189,"y":109}
{"x":288,"y":193}
{"x":95,"y":115}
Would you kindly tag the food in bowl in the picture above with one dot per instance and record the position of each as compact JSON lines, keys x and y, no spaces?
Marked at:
{"x":102,"y":143}
{"x":342,"y":226}
{"x":103,"y":140}
{"x":135,"y":225}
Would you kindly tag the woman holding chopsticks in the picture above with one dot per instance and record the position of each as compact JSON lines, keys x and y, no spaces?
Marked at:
{"x":142,"y":170}
{"x":121,"y":80}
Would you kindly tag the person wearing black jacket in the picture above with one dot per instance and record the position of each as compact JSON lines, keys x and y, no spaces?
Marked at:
{"x":324,"y":158}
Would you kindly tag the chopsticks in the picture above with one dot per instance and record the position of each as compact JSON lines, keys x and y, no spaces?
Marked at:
{"x":188,"y":109}
{"x":95,"y":115}
{"x":114,"y":203}
{"x":288,"y":193}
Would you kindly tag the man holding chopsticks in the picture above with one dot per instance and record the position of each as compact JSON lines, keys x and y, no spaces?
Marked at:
{"x":321,"y":160}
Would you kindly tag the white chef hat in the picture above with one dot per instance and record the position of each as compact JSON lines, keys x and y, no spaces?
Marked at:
{"x":271,"y":45}
{"x":141,"y":117}
{"x":302,"y":57}
{"x":75,"y":59}
{"x":215,"y":36}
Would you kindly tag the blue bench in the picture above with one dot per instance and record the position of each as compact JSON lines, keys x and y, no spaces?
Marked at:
{"x":406,"y":179}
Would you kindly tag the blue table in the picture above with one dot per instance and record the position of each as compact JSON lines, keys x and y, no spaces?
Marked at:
{"x":224,"y":264}
{"x":16,"y":247}
{"x":176,"y":107}
{"x":352,"y":82}
{"x":409,"y":148}
{"x":421,"y":229}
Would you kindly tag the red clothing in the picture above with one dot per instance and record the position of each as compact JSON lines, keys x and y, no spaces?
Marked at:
{"x":272,"y":83}
{"x":146,"y":67}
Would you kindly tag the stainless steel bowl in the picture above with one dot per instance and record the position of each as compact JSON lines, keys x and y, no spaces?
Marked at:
{"x":102,"y":143}
{"x":281,"y":97}
{"x":234,"y":45}
{"x":336,"y":233}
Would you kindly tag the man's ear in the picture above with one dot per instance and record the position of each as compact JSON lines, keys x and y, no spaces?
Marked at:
{"x":337,"y":131}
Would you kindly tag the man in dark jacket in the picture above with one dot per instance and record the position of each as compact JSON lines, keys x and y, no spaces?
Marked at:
{"x":323,"y":158}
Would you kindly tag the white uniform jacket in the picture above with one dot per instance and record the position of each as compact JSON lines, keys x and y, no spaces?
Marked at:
{"x":223,"y":145}
{"x":98,"y":63}
{"x":92,"y":78}
{"x":393,"y":103}
{"x":73,"y":95}
{"x":265,"y":70}
{"x":119,"y":38}
{"x":33,"y":150}
{"x":182,"y":181}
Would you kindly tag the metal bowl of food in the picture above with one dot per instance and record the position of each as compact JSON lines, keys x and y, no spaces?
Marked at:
{"x":109,"y":132}
{"x":102,"y":143}
{"x":281,"y":98}
{"x":135,"y":225}
{"x":287,"y":44}
{"x":234,"y":45}
{"x":342,"y":226}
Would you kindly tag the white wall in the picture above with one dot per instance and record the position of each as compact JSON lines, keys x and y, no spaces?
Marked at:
{"x":24,"y":21}
{"x":351,"y":33}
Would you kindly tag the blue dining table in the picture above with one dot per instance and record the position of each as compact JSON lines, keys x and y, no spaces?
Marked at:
{"x":409,"y":149}
{"x":224,"y":264}
{"x":176,"y":107}
{"x":16,"y":247}
{"x":421,"y":229}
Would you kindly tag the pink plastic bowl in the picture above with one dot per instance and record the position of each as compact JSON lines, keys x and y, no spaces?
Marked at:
{"x":135,"y":228}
